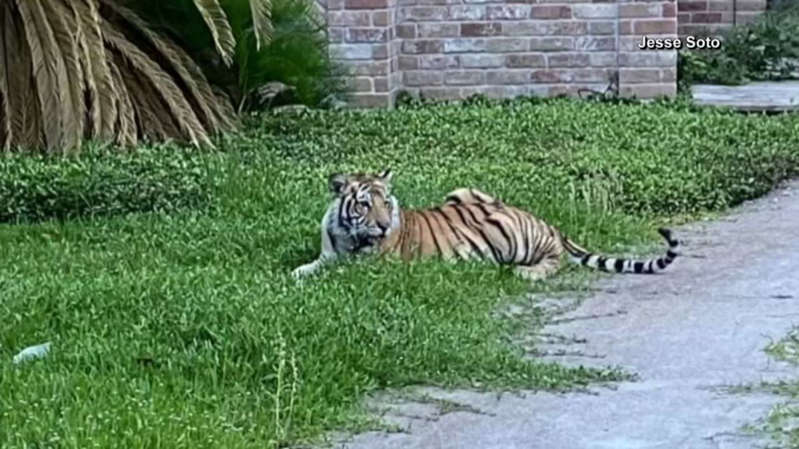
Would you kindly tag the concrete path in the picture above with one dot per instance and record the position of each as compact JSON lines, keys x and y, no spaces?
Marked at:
{"x":689,"y":333}
{"x":758,"y":96}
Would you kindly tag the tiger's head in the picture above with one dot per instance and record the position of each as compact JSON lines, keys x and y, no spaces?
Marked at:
{"x":366,"y":208}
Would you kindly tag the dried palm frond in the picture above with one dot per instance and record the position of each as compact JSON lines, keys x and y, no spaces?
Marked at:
{"x":5,"y":108}
{"x":102,"y":91}
{"x":74,"y":105}
{"x":261,"y":22}
{"x":215,"y":18}
{"x":214,"y":114}
{"x":75,"y":69}
{"x":48,"y":70}
{"x":127,"y":129}
{"x":161,"y":81}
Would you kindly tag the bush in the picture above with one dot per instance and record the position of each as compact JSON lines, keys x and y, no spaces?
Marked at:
{"x":35,"y":188}
{"x":767,"y":49}
{"x":297,"y":54}
{"x":662,"y":159}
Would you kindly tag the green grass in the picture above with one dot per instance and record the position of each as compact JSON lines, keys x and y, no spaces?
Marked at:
{"x":185,"y":329}
{"x":781,"y":422}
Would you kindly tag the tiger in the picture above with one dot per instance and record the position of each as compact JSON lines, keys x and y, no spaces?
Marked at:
{"x":365,"y":218}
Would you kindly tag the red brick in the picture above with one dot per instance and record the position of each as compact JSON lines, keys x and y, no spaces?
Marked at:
{"x":367,"y":35}
{"x":508,"y":77}
{"x":640,"y":9}
{"x":525,"y":60}
{"x":367,"y":68}
{"x":591,"y":75}
{"x":464,"y":45}
{"x":598,"y":27}
{"x":526,"y":28}
{"x":465,"y":77}
{"x":380,"y":18}
{"x":655,"y":26}
{"x":406,"y":31}
{"x":437,"y":62}
{"x":552,"y":76}
{"x":507,"y":45}
{"x":552,"y":43}
{"x":546,"y":28}
{"x":366,"y":4}
{"x":467,"y":12}
{"x":723,"y":5}
{"x":706,"y":17}
{"x":381,"y":84}
{"x":480,"y":29}
{"x":551,"y":12}
{"x":358,"y":84}
{"x":348,"y":18}
{"x":422,"y":46}
{"x":438,"y":30}
{"x":508,"y":12}
{"x":424,"y":14}
{"x":669,"y":10}
{"x":380,"y":51}
{"x":690,"y":6}
{"x":568,"y":60}
{"x":590,"y":43}
{"x":594,"y":11}
{"x":481,"y":60}
{"x":602,"y":59}
{"x":423,"y":78}
{"x":352,"y":51}
{"x":408,"y":62}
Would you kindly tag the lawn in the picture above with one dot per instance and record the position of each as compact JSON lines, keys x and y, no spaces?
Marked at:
{"x":180,"y":327}
{"x":781,"y":421}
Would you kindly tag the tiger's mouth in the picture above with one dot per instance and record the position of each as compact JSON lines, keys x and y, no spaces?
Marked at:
{"x":365,"y":243}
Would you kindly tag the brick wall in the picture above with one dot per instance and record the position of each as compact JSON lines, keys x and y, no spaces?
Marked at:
{"x":451,"y":49}
{"x":700,"y":17}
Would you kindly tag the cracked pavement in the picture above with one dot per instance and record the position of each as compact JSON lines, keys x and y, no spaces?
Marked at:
{"x":688,"y":334}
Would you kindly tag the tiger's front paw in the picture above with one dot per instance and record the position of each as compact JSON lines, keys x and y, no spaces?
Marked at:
{"x":303,"y":271}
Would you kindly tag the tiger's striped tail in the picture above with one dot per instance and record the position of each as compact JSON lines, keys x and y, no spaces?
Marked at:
{"x":619,"y":265}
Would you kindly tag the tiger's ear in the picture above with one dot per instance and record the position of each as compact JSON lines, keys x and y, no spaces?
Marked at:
{"x":337,"y":182}
{"x":385,"y":176}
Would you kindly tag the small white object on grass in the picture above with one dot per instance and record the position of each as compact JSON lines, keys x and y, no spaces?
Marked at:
{"x":32,"y":352}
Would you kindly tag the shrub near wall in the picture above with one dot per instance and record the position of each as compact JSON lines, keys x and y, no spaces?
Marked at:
{"x":764,"y":50}
{"x":35,"y":188}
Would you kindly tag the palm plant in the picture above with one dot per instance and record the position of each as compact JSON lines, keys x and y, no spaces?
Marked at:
{"x":95,"y":69}
{"x":295,"y":54}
